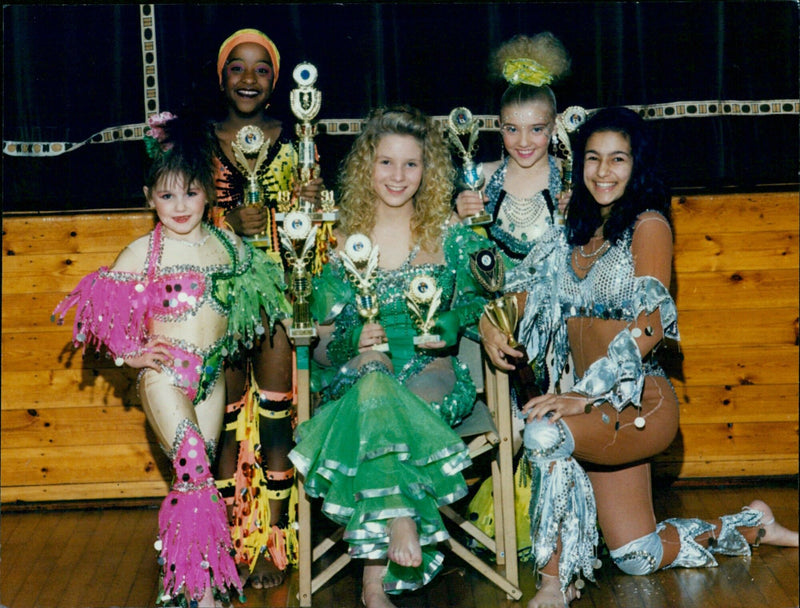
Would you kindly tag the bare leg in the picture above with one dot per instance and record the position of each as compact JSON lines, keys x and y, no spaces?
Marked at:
{"x":404,"y":548}
{"x":372,"y":593}
{"x":273,"y":374}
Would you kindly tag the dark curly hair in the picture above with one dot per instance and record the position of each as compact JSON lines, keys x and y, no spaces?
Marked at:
{"x":645,"y":191}
{"x":187,"y":151}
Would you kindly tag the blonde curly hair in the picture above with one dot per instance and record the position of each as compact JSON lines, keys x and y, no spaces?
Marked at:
{"x":545,"y":50}
{"x":432,"y":200}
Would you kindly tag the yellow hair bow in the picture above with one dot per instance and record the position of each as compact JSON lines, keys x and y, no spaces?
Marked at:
{"x":526,"y":71}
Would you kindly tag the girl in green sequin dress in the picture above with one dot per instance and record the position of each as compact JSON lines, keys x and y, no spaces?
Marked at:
{"x":380,"y":449}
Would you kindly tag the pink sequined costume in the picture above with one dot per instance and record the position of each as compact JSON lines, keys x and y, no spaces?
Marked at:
{"x":204,"y":310}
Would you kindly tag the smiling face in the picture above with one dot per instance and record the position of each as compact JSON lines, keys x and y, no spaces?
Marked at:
{"x":397,"y":172}
{"x":526,"y":130}
{"x":247,"y":78}
{"x":179,"y":208}
{"x":607,"y":169}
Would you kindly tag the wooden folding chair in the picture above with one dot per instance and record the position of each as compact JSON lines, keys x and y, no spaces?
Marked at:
{"x":487,"y":428}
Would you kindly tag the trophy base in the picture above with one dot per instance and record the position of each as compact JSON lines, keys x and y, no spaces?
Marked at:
{"x":383,"y":347}
{"x":302,"y":332}
{"x":315,"y":216}
{"x":425,"y":338}
{"x":479,"y":219}
{"x":259,"y":241}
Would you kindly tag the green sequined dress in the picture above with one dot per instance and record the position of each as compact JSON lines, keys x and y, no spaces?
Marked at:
{"x":374,"y":450}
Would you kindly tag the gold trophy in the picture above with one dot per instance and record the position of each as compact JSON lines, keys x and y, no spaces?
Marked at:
{"x":567,"y":122}
{"x":460,"y":123}
{"x":306,"y":101}
{"x":360,"y":253}
{"x":424,"y":298}
{"x":503,"y":312}
{"x":298,"y":228}
{"x":250,"y":146}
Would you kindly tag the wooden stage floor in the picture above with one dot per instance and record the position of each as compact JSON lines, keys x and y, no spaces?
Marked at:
{"x":104,"y":557}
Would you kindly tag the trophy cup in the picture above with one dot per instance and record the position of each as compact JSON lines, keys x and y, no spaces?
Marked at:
{"x":359,"y":252}
{"x":566,"y":122}
{"x":297,"y":227}
{"x":250,"y":144}
{"x":503,"y":313}
{"x":460,"y":123}
{"x":423,"y":299}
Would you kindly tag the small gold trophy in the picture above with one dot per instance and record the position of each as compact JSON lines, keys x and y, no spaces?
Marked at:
{"x":424,"y":298}
{"x":359,"y":252}
{"x":250,"y":146}
{"x":297,"y":227}
{"x":566,"y":122}
{"x":503,"y":313}
{"x":460,"y":123}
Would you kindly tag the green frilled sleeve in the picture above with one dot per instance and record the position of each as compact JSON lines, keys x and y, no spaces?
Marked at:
{"x":469,"y":298}
{"x":333,"y":298}
{"x":255,"y":283}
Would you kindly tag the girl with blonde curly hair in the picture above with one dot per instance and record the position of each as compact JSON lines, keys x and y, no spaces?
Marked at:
{"x":380,"y":450}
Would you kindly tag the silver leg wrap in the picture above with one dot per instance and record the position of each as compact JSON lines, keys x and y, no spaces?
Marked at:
{"x":640,"y":556}
{"x":562,"y":503}
{"x":730,"y":541}
{"x":691,"y":554}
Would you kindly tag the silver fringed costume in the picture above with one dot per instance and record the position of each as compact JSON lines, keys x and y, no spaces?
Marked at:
{"x":563,"y":506}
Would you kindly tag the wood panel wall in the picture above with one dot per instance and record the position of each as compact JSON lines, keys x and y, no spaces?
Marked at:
{"x":72,"y":428}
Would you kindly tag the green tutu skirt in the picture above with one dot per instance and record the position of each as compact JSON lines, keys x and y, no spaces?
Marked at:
{"x":378,"y":453}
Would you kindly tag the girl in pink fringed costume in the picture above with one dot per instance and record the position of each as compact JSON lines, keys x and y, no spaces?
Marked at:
{"x":175,"y":304}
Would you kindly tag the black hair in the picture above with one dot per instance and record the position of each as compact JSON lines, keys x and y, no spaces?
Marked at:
{"x":185,"y":149}
{"x":645,"y":191}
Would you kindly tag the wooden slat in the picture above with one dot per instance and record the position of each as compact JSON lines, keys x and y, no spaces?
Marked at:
{"x":762,"y":212}
{"x":52,"y":275}
{"x":746,"y":440}
{"x":114,"y":463}
{"x":738,"y":403}
{"x":734,"y":328}
{"x":686,"y":468}
{"x":85,"y":426}
{"x":721,"y":251}
{"x":710,"y":365}
{"x":81,"y":385}
{"x":86,"y":491}
{"x":735,"y":290}
{"x":80,"y":233}
{"x":28,"y":352}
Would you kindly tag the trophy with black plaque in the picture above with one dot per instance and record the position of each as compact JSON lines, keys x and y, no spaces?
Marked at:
{"x":528,"y":379}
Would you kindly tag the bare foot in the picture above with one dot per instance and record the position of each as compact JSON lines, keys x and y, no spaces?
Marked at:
{"x":404,"y":546}
{"x":266,"y":575}
{"x":372,"y":593}
{"x":208,"y":601}
{"x":549,"y":594}
{"x":774,"y":533}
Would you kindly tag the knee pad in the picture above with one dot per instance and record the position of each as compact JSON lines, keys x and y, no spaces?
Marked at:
{"x":543,"y":439}
{"x":640,"y":556}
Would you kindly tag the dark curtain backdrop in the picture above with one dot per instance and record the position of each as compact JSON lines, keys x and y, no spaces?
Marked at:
{"x":71,"y":71}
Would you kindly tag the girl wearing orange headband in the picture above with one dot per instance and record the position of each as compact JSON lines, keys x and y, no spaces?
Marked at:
{"x":255,"y":475}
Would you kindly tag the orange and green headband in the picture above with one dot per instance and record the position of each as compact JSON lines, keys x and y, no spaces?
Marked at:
{"x":249,"y":35}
